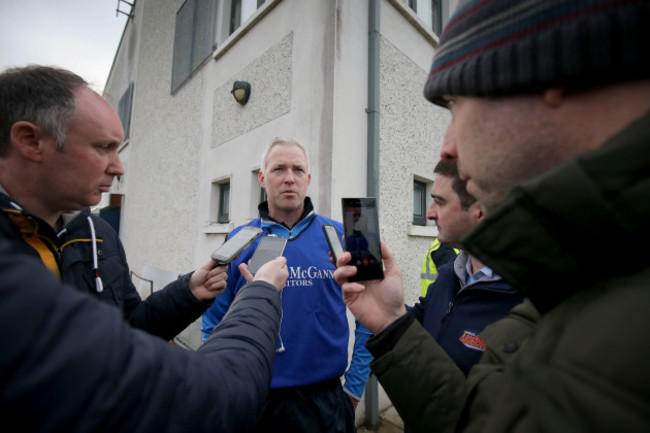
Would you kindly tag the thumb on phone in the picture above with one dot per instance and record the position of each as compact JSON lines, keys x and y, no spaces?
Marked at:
{"x":274,"y":272}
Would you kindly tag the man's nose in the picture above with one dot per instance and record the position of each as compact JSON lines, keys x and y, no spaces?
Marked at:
{"x":449,"y":150}
{"x":115,"y":167}
{"x":431,"y":212}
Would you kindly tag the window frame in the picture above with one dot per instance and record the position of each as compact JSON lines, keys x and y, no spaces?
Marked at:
{"x":235,"y":14}
{"x":420,"y":219}
{"x":223,"y":211}
{"x":193,"y":44}
{"x":263,"y":196}
{"x":436,"y":14}
{"x":125,"y":110}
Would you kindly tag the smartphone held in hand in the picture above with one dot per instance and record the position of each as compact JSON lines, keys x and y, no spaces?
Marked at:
{"x":333,"y":240}
{"x":235,"y":244}
{"x":269,"y":248}
{"x":361,"y":230}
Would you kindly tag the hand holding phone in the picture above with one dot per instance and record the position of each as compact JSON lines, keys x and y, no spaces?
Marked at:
{"x":274,"y":272}
{"x":361,"y":228}
{"x":235,"y":244}
{"x":269,"y":248}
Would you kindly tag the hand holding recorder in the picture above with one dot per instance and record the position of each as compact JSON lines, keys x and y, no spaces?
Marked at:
{"x":267,"y":249}
{"x":274,"y":272}
{"x":209,"y":281}
{"x":374,"y":303}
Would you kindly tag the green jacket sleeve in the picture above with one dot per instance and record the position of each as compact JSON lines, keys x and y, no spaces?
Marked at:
{"x":431,"y":393}
{"x":423,"y":383}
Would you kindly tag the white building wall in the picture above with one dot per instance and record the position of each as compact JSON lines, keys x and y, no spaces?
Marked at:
{"x":283,"y":59}
{"x":161,"y":181}
{"x":349,"y":129}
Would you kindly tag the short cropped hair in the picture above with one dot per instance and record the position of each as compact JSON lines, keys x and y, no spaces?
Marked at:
{"x":282,"y":140}
{"x":450,"y":169}
{"x":41,"y":95}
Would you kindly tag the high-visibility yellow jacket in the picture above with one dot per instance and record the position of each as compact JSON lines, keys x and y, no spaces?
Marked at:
{"x":436,"y":256}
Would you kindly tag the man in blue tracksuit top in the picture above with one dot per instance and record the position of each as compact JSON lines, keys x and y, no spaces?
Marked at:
{"x":467,"y":295}
{"x":306,"y":393}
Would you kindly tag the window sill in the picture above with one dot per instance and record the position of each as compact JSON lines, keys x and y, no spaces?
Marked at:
{"x":411,"y":17}
{"x":218,"y":228}
{"x":422,"y":231}
{"x":245,"y":27}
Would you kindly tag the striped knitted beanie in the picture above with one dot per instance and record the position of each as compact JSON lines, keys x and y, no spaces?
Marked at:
{"x":501,"y":47}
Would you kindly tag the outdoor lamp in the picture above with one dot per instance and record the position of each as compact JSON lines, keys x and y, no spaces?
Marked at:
{"x":241,"y":91}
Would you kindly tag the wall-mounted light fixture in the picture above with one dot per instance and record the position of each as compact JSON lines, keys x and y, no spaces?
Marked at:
{"x":241,"y":91}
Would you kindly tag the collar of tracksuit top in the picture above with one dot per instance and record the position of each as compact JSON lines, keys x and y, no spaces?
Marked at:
{"x":28,"y":225}
{"x":281,"y":229}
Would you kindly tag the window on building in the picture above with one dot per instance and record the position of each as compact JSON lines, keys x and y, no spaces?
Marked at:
{"x":111,"y":213}
{"x":257,"y":195}
{"x":419,"y":203}
{"x":240,"y":10}
{"x":430,"y":12}
{"x":124,"y":110}
{"x":224,"y":203}
{"x":193,"y":38}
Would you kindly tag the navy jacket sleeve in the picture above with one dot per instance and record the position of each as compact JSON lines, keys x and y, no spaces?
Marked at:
{"x":418,"y":309}
{"x":70,"y":363}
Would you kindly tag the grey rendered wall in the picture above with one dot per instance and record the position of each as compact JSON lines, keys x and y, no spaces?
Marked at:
{"x":411,"y":132}
{"x":287,"y":60}
{"x":159,"y":211}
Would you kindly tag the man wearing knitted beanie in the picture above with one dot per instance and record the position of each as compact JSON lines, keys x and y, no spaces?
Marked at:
{"x":550,"y":105}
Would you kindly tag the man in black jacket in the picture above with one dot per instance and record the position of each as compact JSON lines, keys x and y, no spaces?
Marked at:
{"x":59,"y":145}
{"x":467,"y":295}
{"x":70,"y":363}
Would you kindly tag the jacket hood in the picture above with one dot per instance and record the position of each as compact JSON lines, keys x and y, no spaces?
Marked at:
{"x":552,"y":234}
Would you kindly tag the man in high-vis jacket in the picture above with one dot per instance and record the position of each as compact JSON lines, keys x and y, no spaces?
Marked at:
{"x":437,"y":255}
{"x":467,"y":296}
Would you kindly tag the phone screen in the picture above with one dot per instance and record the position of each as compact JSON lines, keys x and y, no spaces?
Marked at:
{"x":236,"y":244}
{"x":361,"y":228}
{"x":333,"y":241}
{"x":268,"y":249}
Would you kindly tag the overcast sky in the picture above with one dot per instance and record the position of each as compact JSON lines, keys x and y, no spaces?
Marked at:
{"x":79,"y":35}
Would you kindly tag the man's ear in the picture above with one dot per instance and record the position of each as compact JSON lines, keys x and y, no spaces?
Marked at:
{"x":25,"y":139}
{"x":260,"y":178}
{"x":477,"y":211}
